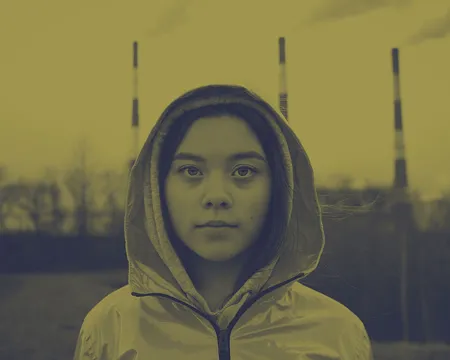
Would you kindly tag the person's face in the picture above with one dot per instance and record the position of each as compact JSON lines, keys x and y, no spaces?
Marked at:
{"x":215,"y":186}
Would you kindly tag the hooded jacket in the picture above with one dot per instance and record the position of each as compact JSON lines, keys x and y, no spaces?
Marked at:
{"x":160,"y":315}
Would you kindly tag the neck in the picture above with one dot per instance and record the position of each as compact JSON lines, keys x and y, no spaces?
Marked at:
{"x":215,"y":280}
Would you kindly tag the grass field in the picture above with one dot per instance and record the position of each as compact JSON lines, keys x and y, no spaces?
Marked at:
{"x":41,"y":315}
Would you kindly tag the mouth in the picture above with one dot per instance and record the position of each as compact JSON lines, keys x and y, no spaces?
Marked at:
{"x":217,"y":224}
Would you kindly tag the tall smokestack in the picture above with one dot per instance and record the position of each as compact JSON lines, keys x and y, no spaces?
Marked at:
{"x":135,"y":113}
{"x":402,"y":210}
{"x":400,"y":180}
{"x":283,"y":96}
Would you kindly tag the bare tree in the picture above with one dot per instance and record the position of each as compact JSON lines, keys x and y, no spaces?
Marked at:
{"x":25,"y":201}
{"x":58,"y":213}
{"x":442,"y":213}
{"x":78,"y":181}
{"x":111,"y":188}
{"x":14,"y":198}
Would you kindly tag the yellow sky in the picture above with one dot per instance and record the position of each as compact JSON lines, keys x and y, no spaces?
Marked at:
{"x":66,"y":70}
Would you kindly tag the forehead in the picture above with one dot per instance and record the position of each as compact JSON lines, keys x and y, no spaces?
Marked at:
{"x":220,"y":134}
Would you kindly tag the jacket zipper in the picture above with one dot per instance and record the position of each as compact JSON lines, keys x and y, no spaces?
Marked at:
{"x":223,"y":339}
{"x":223,"y":336}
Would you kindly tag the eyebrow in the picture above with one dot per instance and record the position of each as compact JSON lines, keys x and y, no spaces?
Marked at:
{"x":232,"y":157}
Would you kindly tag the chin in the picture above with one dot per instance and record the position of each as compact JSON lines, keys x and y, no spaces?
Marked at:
{"x":217,"y":257}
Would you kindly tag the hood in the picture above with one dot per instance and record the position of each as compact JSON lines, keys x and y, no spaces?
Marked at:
{"x":154,"y":266}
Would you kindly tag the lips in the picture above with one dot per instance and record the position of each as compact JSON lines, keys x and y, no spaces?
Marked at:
{"x":217,"y":223}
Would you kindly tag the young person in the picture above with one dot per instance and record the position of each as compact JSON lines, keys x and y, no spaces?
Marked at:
{"x":222,"y":219}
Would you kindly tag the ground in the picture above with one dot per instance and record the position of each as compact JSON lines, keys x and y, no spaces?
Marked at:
{"x":41,"y":315}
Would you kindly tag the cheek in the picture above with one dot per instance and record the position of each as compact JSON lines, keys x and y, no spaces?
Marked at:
{"x":175,"y":203}
{"x":179,"y":207}
{"x":258,"y":209}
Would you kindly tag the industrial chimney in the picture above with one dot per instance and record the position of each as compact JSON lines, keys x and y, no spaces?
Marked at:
{"x":283,"y":97}
{"x":400,"y":179}
{"x":135,"y":113}
{"x":402,"y":209}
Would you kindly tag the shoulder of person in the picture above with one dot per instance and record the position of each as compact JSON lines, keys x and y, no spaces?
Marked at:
{"x":337,"y":325}
{"x":98,"y":330}
{"x":103,"y":310}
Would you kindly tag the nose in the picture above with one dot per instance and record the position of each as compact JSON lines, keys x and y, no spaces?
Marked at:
{"x":216,"y":196}
{"x":217,"y":204}
{"x":217,"y":200}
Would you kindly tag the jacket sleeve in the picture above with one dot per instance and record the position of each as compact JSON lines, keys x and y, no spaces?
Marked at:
{"x":355,"y":342}
{"x":89,"y":345}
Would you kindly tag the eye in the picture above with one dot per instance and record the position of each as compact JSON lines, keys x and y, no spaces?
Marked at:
{"x":189,"y":168}
{"x":247,"y":169}
{"x":192,"y":170}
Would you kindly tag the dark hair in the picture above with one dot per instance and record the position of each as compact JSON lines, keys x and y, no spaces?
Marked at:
{"x":268,"y":246}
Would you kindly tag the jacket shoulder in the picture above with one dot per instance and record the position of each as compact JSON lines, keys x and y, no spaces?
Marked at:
{"x":100,"y":325}
{"x":115,"y":300}
{"x":336,"y":324}
{"x":321,"y":304}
